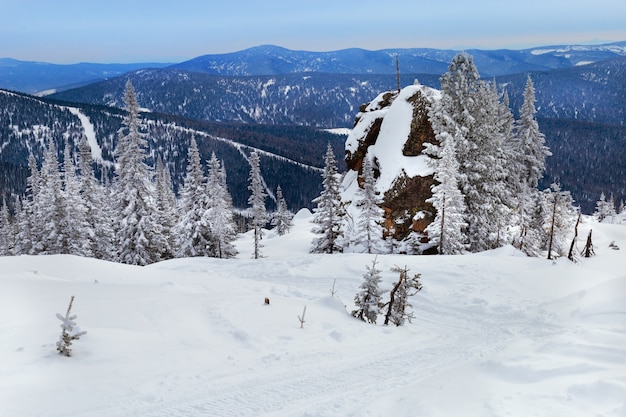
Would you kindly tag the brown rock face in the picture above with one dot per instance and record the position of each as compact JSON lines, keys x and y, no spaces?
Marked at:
{"x":405,"y":202}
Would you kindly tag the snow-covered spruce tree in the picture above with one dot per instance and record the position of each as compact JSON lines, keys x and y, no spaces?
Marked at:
{"x":559,"y":223}
{"x":140,"y":238}
{"x":193,"y":230}
{"x":398,"y":306}
{"x":368,"y":301}
{"x":7,"y":231}
{"x":24,"y":211}
{"x":48,"y":209}
{"x":97,"y":207}
{"x":529,"y":166}
{"x":256,"y":201}
{"x":489,"y":198}
{"x":447,"y":229}
{"x":329,"y":214}
{"x":282,"y":217}
{"x":369,"y":228}
{"x":604,"y":208}
{"x":471,"y":113}
{"x":166,"y":203}
{"x":220,"y":214}
{"x":78,"y":235}
{"x":69,"y":331}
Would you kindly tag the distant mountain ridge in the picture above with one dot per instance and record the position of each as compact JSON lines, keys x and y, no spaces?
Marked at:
{"x":33,"y":77}
{"x":275,"y":60}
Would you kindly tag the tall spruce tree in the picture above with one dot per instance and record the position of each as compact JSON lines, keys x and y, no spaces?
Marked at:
{"x":446,"y":230}
{"x":24,"y":211}
{"x":49,"y":214}
{"x":193,"y":231}
{"x":98,"y":207}
{"x":7,"y":231}
{"x":329,"y":214}
{"x":78,"y":235}
{"x":166,"y":204}
{"x":470,"y":112}
{"x":528,"y":168}
{"x":256,"y":201}
{"x":140,"y":238}
{"x":369,"y":229}
{"x":282,"y":217}
{"x":559,"y":221}
{"x":220,"y":213}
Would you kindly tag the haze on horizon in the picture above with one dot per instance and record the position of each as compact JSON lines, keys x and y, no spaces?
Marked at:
{"x":164,"y":31}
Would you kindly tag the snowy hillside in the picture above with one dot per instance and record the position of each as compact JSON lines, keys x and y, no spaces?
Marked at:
{"x":495,"y":334}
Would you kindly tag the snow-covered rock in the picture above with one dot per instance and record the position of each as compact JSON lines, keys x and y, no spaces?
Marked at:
{"x":391,"y":131}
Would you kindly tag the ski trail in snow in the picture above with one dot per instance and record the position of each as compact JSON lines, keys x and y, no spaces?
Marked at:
{"x":90,"y":133}
{"x":317,"y":383}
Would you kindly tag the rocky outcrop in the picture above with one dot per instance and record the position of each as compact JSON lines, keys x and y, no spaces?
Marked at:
{"x":391,"y":130}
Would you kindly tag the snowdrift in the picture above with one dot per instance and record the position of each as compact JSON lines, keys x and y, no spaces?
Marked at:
{"x":495,"y":334}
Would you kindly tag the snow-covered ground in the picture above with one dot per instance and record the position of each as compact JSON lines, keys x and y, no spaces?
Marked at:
{"x":495,"y":334}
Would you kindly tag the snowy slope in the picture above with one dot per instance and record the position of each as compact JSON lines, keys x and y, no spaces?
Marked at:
{"x":495,"y":334}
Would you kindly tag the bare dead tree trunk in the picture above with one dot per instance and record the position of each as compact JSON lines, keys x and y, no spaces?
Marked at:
{"x":588,"y":251}
{"x":392,"y":296}
{"x":443,"y":219}
{"x":301,"y":319}
{"x":570,"y":255}
{"x":556,"y":195}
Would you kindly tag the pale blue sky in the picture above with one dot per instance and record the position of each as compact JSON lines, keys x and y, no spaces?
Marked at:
{"x":70,"y":31}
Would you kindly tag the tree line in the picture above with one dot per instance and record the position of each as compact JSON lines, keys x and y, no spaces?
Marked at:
{"x":135,"y":218}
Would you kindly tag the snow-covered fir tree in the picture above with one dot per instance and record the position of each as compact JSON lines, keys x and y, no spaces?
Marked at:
{"x":166,"y":204}
{"x":559,"y":221}
{"x":140,"y":237}
{"x":193,"y":231}
{"x":368,"y":301}
{"x":49,"y":215}
{"x":329,"y":214}
{"x":399,"y":306}
{"x":489,"y":198}
{"x":604,"y":208}
{"x":7,"y":231}
{"x":23,"y":226}
{"x":471,"y":113}
{"x":257,"y":211}
{"x":446,"y":231}
{"x":529,"y":167}
{"x":369,"y":228}
{"x":24,"y":211}
{"x":282,"y":217}
{"x":98,"y":211}
{"x":78,"y":234}
{"x":220,"y":213}
{"x":69,"y":331}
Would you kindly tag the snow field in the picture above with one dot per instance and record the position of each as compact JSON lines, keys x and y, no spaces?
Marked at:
{"x":495,"y":334}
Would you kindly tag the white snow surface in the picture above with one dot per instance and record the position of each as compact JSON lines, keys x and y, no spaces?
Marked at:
{"x":494,"y":334}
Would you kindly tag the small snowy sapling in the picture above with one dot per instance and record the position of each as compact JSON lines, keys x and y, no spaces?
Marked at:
{"x":70,"y":331}
{"x":368,"y":301}
{"x":398,"y":305}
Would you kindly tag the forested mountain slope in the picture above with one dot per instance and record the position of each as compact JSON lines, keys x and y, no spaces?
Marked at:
{"x":593,"y":92}
{"x":290,"y":156}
